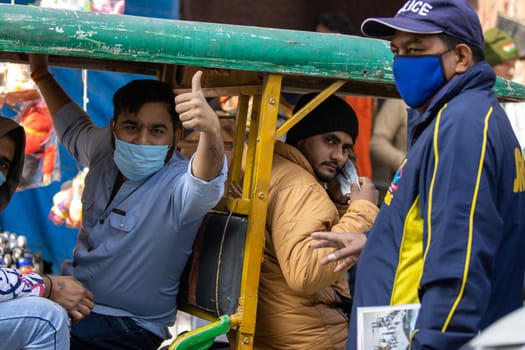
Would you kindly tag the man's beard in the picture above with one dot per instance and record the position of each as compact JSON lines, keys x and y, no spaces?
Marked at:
{"x":320,"y":176}
{"x":324,"y":177}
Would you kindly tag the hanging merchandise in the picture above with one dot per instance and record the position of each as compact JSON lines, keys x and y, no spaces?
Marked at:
{"x":20,"y":95}
{"x":67,"y":204}
{"x":16,"y":78}
{"x":104,"y":6}
{"x":16,"y":85}
{"x":108,"y":6}
{"x":79,"y":5}
{"x":42,"y":162}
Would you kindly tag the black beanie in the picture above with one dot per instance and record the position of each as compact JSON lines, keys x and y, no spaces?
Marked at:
{"x":333,"y":114}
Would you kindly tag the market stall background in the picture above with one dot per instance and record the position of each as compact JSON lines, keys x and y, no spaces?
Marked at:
{"x":27,"y":214}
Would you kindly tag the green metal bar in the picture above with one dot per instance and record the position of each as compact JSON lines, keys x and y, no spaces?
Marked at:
{"x":95,"y":35}
{"x":201,"y":338}
{"x":509,"y":89}
{"x":30,"y":29}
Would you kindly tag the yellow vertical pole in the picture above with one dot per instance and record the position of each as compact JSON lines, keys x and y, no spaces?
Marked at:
{"x":265,"y":121}
{"x":252,"y":146}
{"x":242,"y":116}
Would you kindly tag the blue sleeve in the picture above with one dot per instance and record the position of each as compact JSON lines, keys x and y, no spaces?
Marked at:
{"x":197,"y":196}
{"x":83,"y":140}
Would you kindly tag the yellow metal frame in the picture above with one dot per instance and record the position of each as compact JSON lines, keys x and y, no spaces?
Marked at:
{"x":249,"y":180}
{"x":257,"y":175}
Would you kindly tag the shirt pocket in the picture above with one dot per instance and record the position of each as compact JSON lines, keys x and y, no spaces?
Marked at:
{"x":122,"y":223}
{"x":120,"y":237}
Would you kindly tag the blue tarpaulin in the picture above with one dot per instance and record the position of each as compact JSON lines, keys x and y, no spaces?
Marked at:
{"x":27,"y":214}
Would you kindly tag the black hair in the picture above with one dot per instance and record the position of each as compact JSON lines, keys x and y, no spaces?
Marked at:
{"x":336,"y":22}
{"x":477,"y":52}
{"x":132,"y":96}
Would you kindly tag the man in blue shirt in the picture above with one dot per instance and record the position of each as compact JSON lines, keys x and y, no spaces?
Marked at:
{"x":450,"y":235}
{"x":142,"y":204}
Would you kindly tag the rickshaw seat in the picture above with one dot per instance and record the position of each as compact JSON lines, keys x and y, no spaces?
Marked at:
{"x":211,"y":281}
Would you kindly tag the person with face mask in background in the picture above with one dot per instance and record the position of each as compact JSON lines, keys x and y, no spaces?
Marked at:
{"x":450,"y":233}
{"x":143,"y":203}
{"x":30,"y":314}
{"x":303,"y":304}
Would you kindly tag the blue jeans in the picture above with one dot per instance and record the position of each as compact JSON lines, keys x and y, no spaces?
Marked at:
{"x":33,"y":323}
{"x":98,"y":331}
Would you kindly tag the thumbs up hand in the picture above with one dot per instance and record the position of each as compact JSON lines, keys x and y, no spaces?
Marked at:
{"x":194,"y":111}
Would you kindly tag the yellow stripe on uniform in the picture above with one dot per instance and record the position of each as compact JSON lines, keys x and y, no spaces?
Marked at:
{"x":433,"y":180}
{"x":471,"y":222}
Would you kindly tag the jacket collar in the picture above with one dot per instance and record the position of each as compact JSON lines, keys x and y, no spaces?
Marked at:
{"x":480,"y":76}
{"x":292,"y":154}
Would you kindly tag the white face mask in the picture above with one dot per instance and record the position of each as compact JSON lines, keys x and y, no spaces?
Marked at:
{"x":137,"y":162}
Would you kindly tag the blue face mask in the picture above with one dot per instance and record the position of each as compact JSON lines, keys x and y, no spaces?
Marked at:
{"x":418,"y":77}
{"x":137,"y":162}
{"x":2,"y":178}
